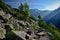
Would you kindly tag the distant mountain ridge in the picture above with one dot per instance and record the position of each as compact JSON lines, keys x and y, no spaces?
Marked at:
{"x":53,"y":17}
{"x":48,"y":16}
{"x":35,"y":13}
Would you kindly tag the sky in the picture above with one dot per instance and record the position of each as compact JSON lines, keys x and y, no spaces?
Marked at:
{"x":36,"y":4}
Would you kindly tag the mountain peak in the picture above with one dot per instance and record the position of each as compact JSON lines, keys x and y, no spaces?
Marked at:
{"x":58,"y":8}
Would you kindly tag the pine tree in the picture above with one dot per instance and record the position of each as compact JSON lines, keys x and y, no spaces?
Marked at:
{"x":24,"y":10}
{"x":21,"y":8}
{"x":39,"y":17}
{"x":21,"y":12}
{"x":27,"y":11}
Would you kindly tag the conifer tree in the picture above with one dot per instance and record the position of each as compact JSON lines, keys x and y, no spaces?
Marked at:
{"x":21,"y":8}
{"x":24,"y":10}
{"x":27,"y":11}
{"x":39,"y":17}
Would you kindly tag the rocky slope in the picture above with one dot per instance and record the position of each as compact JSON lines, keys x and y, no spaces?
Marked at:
{"x":15,"y":26}
{"x":19,"y":27}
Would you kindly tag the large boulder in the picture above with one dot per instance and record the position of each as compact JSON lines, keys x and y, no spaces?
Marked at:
{"x":22,"y":22}
{"x":44,"y":36}
{"x":12,"y":21}
{"x":7,"y":16}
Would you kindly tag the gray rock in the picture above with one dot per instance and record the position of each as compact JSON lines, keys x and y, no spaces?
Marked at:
{"x":1,"y":21}
{"x":41,"y":33}
{"x":12,"y":20}
{"x":20,"y":34}
{"x":2,"y":33}
{"x":22,"y":22}
{"x":45,"y":37}
{"x":2,"y":13}
{"x":1,"y":25}
{"x":6,"y":16}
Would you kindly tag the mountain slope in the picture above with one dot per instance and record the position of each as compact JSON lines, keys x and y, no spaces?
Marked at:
{"x":54,"y":17}
{"x":7,"y":8}
{"x":12,"y":24}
